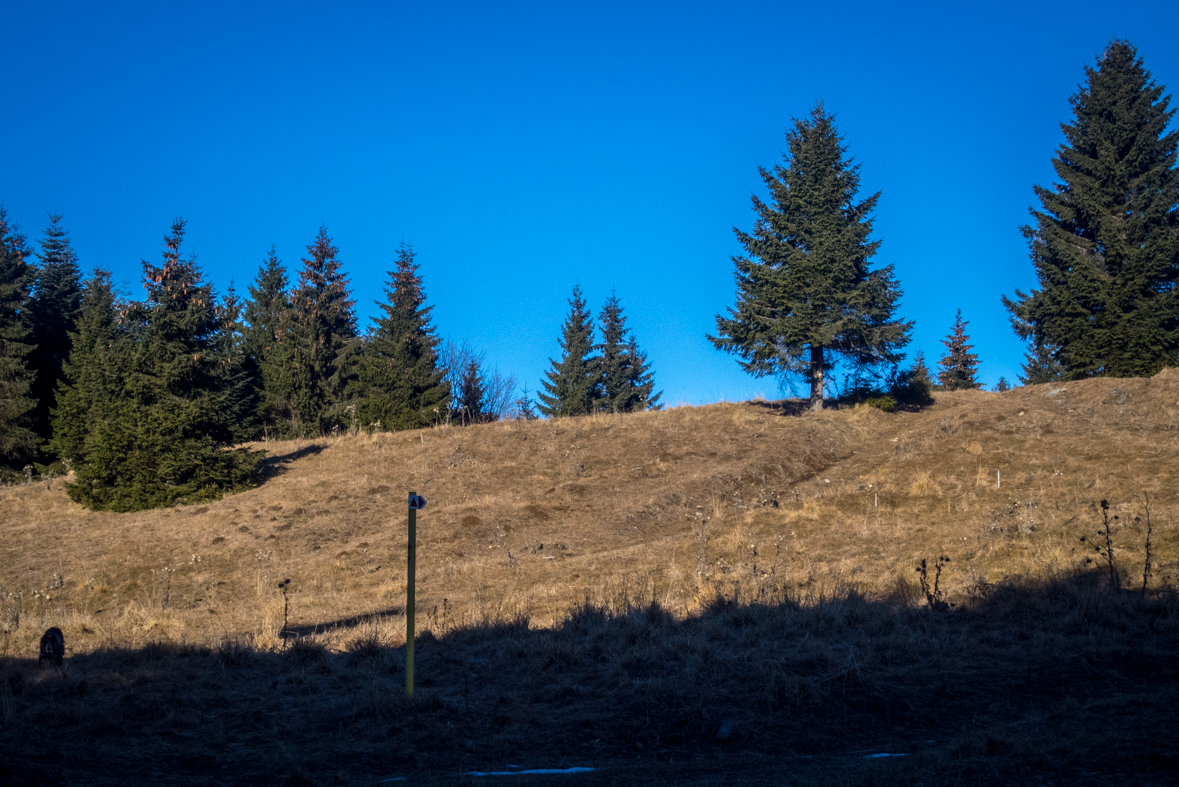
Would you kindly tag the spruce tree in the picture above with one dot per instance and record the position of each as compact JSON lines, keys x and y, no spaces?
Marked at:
{"x":1002,"y":386}
{"x":267,"y":315}
{"x":469,"y":408}
{"x":319,"y":344}
{"x":959,"y":365}
{"x":161,"y":434}
{"x":805,"y":292}
{"x":626,"y":383}
{"x":1040,"y":365}
{"x":53,"y":313}
{"x":573,"y":386}
{"x":17,"y":439}
{"x":400,"y":379}
{"x":239,"y":367}
{"x":1105,"y":243}
{"x":86,"y":372}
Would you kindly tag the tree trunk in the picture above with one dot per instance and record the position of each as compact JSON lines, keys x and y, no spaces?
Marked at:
{"x":816,"y":378}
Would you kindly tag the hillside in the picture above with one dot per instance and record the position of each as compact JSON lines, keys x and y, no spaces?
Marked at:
{"x":695,"y":594}
{"x":533,"y":517}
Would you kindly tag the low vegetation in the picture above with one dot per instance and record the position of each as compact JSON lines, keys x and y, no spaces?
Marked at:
{"x":724,"y":593}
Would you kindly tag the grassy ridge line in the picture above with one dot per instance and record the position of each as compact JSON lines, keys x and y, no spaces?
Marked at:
{"x":534,"y":517}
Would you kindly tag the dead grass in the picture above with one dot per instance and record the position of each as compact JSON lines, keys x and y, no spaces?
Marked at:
{"x":528,"y":520}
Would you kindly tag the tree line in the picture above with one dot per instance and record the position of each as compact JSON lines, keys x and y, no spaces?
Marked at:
{"x":1104,"y":246}
{"x":145,"y":400}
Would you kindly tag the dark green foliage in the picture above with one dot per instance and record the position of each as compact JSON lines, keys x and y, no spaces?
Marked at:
{"x":626,"y":382}
{"x":400,"y":379}
{"x":239,"y":367}
{"x":266,"y":314}
{"x":1002,"y":386}
{"x":912,"y":389}
{"x":17,"y":439}
{"x":572,"y":386}
{"x":805,"y":293}
{"x":53,"y":312}
{"x":959,"y":365}
{"x":883,"y":403}
{"x":1105,"y":245}
{"x":1040,"y":365}
{"x":86,"y":372}
{"x":159,"y":431}
{"x":318,"y":345}
{"x":469,"y":405}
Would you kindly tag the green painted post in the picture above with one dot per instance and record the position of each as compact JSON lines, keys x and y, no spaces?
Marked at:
{"x":409,"y":593}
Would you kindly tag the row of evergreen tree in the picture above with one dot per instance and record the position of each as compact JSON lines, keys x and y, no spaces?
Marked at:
{"x":145,"y":399}
{"x":1104,"y":245}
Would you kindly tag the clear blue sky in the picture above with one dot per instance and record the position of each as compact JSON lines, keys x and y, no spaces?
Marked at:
{"x":524,"y":147}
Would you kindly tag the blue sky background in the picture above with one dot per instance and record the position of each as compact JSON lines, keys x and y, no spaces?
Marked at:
{"x":524,"y":147}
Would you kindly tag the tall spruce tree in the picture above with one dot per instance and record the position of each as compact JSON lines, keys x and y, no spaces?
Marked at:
{"x":53,"y":313}
{"x":86,"y":373}
{"x":267,"y":315}
{"x":626,"y":382}
{"x":162,"y":433}
{"x":959,"y":365}
{"x":572,"y":385}
{"x":805,"y":293}
{"x":17,"y":439}
{"x":1105,"y":245}
{"x":239,"y":367}
{"x":318,"y":346}
{"x":400,"y":379}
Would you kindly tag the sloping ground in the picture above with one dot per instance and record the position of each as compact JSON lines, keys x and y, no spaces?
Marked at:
{"x":534,"y":517}
{"x":787,"y":640}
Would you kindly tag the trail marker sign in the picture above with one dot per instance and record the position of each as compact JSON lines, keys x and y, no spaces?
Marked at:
{"x":416,"y":502}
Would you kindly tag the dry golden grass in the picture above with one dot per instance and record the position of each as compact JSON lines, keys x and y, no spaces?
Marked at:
{"x":533,"y":518}
{"x":722,"y":594}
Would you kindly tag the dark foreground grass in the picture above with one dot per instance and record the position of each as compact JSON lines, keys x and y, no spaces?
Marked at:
{"x":1057,"y":682}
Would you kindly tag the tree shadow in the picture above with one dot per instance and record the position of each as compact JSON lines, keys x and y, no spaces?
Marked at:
{"x":276,"y":464}
{"x":1061,"y":680}
{"x":783,"y":407}
{"x":340,"y":624}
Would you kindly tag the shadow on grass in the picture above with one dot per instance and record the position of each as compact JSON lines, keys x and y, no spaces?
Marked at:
{"x":295,"y":632}
{"x":1059,"y":680}
{"x":276,"y":465}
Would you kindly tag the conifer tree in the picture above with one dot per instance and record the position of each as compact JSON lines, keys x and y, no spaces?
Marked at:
{"x":959,"y":365}
{"x":626,"y":383}
{"x":239,"y":367}
{"x":913,"y":388}
{"x":267,"y":314}
{"x":572,"y":386}
{"x":805,"y":293}
{"x":53,"y":312}
{"x":1040,"y":365}
{"x":400,"y":379}
{"x":1002,"y":386}
{"x":1105,"y":243}
{"x":86,"y":372}
{"x":472,"y":391}
{"x":162,"y":433}
{"x":17,"y":439}
{"x":319,"y":343}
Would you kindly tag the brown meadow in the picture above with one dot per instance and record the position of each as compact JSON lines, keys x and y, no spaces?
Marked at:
{"x":707,"y":591}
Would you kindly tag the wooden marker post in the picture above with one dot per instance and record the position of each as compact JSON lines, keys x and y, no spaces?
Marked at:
{"x":415,"y":502}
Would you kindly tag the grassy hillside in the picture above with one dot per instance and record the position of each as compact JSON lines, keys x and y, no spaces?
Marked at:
{"x":573,"y":576}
